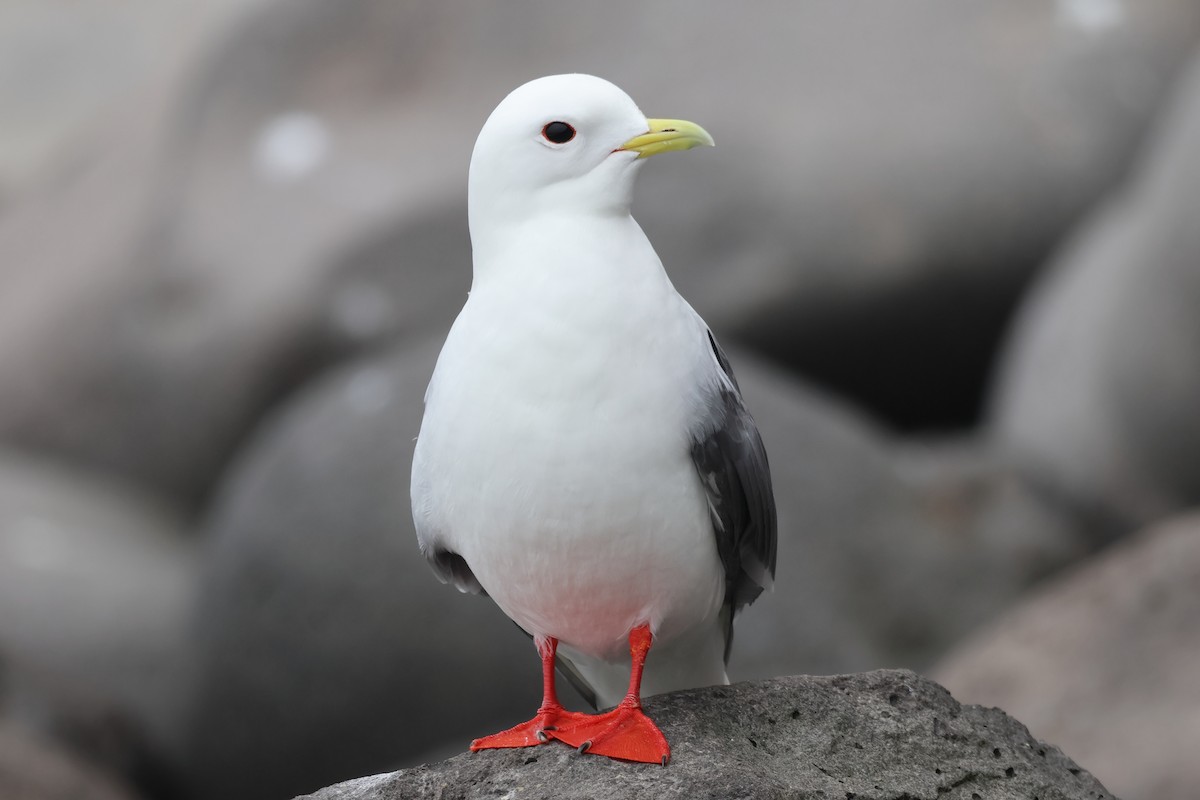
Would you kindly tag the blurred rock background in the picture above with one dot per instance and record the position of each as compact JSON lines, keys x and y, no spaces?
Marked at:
{"x":952,"y":248}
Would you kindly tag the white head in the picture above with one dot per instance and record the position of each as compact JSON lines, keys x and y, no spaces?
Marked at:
{"x":564,"y":144}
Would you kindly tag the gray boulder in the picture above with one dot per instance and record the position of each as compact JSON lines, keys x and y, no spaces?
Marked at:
{"x":888,"y":552}
{"x":33,"y":769}
{"x":95,"y":589}
{"x":78,"y":376}
{"x":59,"y":72}
{"x":875,"y":735}
{"x":1097,"y":395}
{"x":1105,"y":661}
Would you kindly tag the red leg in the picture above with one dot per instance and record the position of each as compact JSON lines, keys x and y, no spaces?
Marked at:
{"x":625,"y":732}
{"x":549,"y":716}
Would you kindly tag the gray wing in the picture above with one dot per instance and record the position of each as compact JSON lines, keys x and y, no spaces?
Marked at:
{"x":729,"y":456}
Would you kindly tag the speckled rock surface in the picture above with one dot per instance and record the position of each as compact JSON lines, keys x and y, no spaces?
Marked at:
{"x":867,"y":736}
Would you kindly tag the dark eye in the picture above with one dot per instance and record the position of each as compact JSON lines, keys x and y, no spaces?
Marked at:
{"x":558,"y":132}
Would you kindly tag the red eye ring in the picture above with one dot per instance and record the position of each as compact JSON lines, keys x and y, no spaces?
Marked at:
{"x":558,"y":132}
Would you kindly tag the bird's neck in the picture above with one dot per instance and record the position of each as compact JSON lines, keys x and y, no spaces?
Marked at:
{"x":583,"y":247}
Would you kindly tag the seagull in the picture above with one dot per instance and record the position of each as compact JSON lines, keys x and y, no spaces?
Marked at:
{"x":585,"y":458}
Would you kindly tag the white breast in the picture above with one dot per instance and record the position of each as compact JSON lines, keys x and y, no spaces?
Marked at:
{"x":555,"y":457}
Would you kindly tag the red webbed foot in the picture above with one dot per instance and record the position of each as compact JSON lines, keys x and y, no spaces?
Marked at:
{"x":538,"y":730}
{"x":624,"y":733}
{"x":550,"y":716}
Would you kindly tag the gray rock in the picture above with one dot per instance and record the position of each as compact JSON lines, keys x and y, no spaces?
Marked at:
{"x":1105,"y":662}
{"x":982,"y":537}
{"x":1097,"y":396}
{"x":206,"y":239}
{"x":875,"y":735}
{"x":96,"y":584}
{"x":32,"y":769}
{"x":888,"y":553}
{"x":77,"y":378}
{"x":59,"y":72}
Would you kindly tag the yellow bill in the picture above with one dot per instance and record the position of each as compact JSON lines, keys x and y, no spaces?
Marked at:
{"x":666,"y":135}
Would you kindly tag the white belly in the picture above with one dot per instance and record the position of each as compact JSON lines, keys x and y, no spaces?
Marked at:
{"x":607,"y":535}
{"x":559,"y":467}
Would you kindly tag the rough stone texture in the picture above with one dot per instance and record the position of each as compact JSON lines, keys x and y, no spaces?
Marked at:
{"x":1105,"y":662}
{"x":870,"y":736}
{"x":31,"y":769}
{"x":316,"y":607}
{"x":1098,"y":394}
{"x":208,"y":222}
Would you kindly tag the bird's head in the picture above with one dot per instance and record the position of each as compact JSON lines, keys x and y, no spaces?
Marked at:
{"x":565,"y":144}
